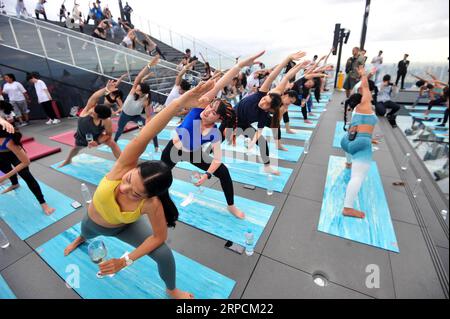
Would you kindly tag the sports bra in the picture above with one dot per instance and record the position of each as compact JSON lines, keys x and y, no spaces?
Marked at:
{"x":3,"y":147}
{"x":106,"y":205}
{"x":364,"y":119}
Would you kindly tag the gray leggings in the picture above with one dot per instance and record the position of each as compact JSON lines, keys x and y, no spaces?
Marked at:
{"x":135,"y":234}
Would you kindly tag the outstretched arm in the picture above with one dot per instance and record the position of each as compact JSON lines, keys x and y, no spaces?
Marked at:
{"x":290,"y":75}
{"x":144,"y":72}
{"x":229,"y":76}
{"x":183,"y":72}
{"x":130,"y":156}
{"x":274,"y":74}
{"x":366,"y":102}
{"x":111,"y":86}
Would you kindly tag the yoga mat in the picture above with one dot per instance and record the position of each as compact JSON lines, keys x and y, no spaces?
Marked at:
{"x":250,"y":173}
{"x":5,"y":291}
{"x":429,"y":116}
{"x":297,"y":109}
{"x":339,"y":133}
{"x":434,"y":124}
{"x":140,"y":281}
{"x":92,"y":169}
{"x":300,"y":123}
{"x":208,"y":212}
{"x":376,"y":229}
{"x":299,"y":115}
{"x":23,"y":213}
{"x":65,"y":138}
{"x":424,"y":108}
{"x":292,"y":155}
{"x":37,"y":150}
{"x":440,"y":134}
{"x":301,"y":135}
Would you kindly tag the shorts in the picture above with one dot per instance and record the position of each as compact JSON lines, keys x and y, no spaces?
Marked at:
{"x":350,"y":83}
{"x":20,"y":107}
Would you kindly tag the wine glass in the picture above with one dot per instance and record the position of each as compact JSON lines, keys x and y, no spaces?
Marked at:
{"x":97,"y":252}
{"x":195,"y":177}
{"x":89,"y":137}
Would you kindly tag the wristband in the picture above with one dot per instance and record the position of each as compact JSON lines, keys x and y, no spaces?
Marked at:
{"x":208,"y":174}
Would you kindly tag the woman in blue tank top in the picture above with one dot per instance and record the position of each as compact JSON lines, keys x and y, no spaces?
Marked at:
{"x":199,"y":128}
{"x":357,"y":145}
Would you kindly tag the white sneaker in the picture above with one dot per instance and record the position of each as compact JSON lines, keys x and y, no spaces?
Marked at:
{"x":56,"y":121}
{"x":49,"y":122}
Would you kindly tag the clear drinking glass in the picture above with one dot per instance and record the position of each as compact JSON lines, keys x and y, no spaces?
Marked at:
{"x":97,"y":252}
{"x":89,"y":137}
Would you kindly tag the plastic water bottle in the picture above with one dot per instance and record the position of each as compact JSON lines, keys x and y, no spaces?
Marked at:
{"x":269,"y":185}
{"x":306,"y":148}
{"x":246,"y":142}
{"x":406,"y":162}
{"x":4,"y":242}
{"x":444,"y":214}
{"x":86,"y":194}
{"x":249,"y":242}
{"x":417,"y":187}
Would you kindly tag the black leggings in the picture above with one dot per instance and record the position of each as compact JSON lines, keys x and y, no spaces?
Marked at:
{"x":48,"y":109}
{"x":382,"y":106}
{"x":171,"y":156}
{"x":9,"y":159}
{"x":439,"y":101}
{"x":402,"y":76}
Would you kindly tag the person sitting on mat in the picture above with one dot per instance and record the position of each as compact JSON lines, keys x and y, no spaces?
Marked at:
{"x":138,"y":101}
{"x":258,"y":107}
{"x":95,"y":125}
{"x":199,"y":128}
{"x":357,"y":145}
{"x":13,"y":161}
{"x":142,"y":191}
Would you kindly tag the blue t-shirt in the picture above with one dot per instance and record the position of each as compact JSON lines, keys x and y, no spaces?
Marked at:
{"x":190,"y":132}
{"x":249,"y":112}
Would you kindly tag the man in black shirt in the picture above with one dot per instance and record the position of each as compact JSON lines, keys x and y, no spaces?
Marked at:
{"x":402,"y":70}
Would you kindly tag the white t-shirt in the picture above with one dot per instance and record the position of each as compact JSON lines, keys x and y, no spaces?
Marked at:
{"x":132,"y":107}
{"x":252,"y":82}
{"x":40,"y":6}
{"x":15,"y":91}
{"x":174,"y":94}
{"x":377,"y":61}
{"x":41,"y":94}
{"x":8,"y":117}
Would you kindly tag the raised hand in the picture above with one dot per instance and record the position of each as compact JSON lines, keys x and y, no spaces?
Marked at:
{"x":6,"y":126}
{"x":192,"y":97}
{"x":251,"y":60}
{"x":362,"y":71}
{"x":297,"y":56}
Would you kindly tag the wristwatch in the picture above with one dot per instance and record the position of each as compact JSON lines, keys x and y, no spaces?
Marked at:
{"x":128,"y":260}
{"x":208,"y":174}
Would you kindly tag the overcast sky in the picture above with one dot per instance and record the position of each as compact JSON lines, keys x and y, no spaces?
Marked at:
{"x":241,"y":27}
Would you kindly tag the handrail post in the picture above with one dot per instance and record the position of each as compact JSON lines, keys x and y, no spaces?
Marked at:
{"x":98,"y":58}
{"x":42,"y":41}
{"x":71,"y":52}
{"x":171,"y":40}
{"x":14,"y":34}
{"x":149,"y":28}
{"x":128,"y":68}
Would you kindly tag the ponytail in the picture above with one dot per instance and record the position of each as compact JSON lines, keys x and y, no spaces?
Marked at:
{"x":229,"y":119}
{"x":352,"y":102}
{"x":170,"y":209}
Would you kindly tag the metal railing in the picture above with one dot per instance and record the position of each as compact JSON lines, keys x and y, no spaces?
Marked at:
{"x":78,"y":50}
{"x":216,"y":58}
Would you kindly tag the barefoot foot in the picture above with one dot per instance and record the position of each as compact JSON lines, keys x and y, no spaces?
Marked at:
{"x":64,"y":164}
{"x":11,"y":188}
{"x":178,"y":294}
{"x":290,"y":131}
{"x":236,"y":212}
{"x":269,"y":170}
{"x":47,"y":209}
{"x":77,"y":242}
{"x":350,"y":212}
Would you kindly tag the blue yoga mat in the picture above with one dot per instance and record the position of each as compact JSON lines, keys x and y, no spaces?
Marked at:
{"x":245,"y":172}
{"x":440,"y":134}
{"x":5,"y":291}
{"x":434,"y":124}
{"x":424,"y":108}
{"x":300,"y":123}
{"x":23,"y":213}
{"x":292,"y":155}
{"x":208,"y":211}
{"x":296,"y":110}
{"x":429,"y":116}
{"x":339,"y":133}
{"x":301,"y":135}
{"x":299,"y":115}
{"x":251,"y":173}
{"x":376,"y":229}
{"x":140,"y":281}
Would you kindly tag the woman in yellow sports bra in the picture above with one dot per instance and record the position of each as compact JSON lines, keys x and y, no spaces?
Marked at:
{"x":131,"y":190}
